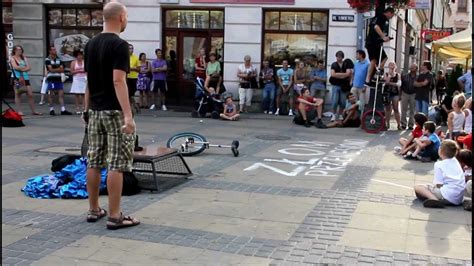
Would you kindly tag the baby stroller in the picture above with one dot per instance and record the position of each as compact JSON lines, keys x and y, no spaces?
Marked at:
{"x":206,"y":103}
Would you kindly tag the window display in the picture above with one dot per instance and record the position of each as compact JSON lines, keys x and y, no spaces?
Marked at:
{"x":70,"y":28}
{"x":290,"y":35}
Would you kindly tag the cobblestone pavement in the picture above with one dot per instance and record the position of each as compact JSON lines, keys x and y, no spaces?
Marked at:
{"x":335,"y":196}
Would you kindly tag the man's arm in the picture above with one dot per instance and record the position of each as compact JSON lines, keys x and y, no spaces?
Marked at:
{"x":462,"y":81}
{"x":381,"y":33}
{"x":121,"y":91}
{"x":421,"y":83}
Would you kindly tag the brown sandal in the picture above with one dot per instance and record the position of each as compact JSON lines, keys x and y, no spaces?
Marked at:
{"x":117,"y":223}
{"x":94,"y":216}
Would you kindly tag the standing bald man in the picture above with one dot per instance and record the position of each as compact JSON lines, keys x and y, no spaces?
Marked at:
{"x":109,"y":119}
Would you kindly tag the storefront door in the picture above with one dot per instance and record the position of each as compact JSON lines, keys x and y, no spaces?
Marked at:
{"x":185,"y":32}
{"x":181,"y":84}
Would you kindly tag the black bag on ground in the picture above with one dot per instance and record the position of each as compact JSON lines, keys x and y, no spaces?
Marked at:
{"x":130,"y":185}
{"x":59,"y":163}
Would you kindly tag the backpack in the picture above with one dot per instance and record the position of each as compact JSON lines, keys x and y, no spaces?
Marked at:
{"x":10,"y":118}
{"x":62,"y":161}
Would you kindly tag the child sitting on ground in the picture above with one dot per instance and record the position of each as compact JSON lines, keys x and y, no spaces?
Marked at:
{"x":456,"y":118}
{"x":448,"y":183}
{"x":351,"y":114}
{"x":465,"y":159}
{"x":230,"y":110}
{"x":308,"y":108}
{"x":409,"y":144}
{"x":427,"y":146}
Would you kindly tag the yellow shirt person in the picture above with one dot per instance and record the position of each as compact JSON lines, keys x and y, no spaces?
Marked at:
{"x":134,"y":64}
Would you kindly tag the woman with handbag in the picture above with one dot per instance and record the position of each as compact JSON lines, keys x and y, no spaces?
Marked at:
{"x":21,"y":79}
{"x":247,"y":74}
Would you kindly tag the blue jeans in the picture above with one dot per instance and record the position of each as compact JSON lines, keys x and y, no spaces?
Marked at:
{"x":422,"y":106}
{"x":268,"y":97}
{"x":338,"y":98}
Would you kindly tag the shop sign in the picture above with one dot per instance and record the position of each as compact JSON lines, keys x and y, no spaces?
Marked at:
{"x":343,"y":18}
{"x":9,"y":42}
{"x":419,"y":4}
{"x":430,"y":35}
{"x":276,"y":2}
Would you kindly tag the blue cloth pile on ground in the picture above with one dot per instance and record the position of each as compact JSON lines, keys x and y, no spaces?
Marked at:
{"x":68,"y":183}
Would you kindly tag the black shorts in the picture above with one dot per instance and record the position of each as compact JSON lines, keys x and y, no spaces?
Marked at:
{"x":310,"y":116}
{"x":132,"y":87}
{"x":374,"y":52}
{"x":430,"y":151}
{"x":159,"y":85}
{"x":352,"y":123}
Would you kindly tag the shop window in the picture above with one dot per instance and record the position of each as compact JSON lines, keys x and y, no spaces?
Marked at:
{"x":7,"y":15}
{"x":70,"y":28}
{"x":462,"y":5}
{"x":290,"y":35}
{"x":194,"y":19}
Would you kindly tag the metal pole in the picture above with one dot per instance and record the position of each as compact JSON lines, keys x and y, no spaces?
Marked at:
{"x":360,"y":31}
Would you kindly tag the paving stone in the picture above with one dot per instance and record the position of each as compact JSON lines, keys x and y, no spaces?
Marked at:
{"x":231,"y":249}
{"x":401,"y":256}
{"x":30,"y":256}
{"x":366,"y":259}
{"x":279,"y":255}
{"x":347,"y":261}
{"x":10,"y":261}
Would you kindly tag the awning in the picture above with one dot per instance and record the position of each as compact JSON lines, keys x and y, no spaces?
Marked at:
{"x":461,"y":40}
{"x":447,"y":52}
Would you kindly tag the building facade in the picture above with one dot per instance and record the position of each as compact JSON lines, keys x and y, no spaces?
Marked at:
{"x":270,"y":29}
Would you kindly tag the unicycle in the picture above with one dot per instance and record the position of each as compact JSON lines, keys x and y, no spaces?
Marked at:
{"x":189,"y":144}
{"x":374,"y":120}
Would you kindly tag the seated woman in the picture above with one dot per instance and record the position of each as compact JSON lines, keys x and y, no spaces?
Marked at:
{"x":213,"y":88}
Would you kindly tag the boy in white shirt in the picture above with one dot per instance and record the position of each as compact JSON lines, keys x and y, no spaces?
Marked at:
{"x":448,"y":183}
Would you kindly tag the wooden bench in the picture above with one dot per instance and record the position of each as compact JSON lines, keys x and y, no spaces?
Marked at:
{"x":156,"y":167}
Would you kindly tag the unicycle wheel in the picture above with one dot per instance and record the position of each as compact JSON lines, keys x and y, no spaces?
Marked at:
{"x":178,"y":142}
{"x":373,"y":124}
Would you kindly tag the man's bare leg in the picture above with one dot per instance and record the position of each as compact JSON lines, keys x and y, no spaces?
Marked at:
{"x":370,"y":72}
{"x":93,"y":186}
{"x":302,"y":112}
{"x":114,"y":188}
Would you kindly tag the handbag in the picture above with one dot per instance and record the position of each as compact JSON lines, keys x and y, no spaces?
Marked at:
{"x":18,"y":82}
{"x":254,"y":83}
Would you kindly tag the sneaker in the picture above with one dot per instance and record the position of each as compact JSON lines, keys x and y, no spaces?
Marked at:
{"x":397,"y":149}
{"x":277,"y":112}
{"x":52,"y":112}
{"x":333,"y":117}
{"x":152,"y":107}
{"x":341,"y":117}
{"x":270,"y":113}
{"x":41,"y":103}
{"x":431,"y":203}
{"x":163,"y":108}
{"x":265,"y":112}
{"x":66,"y":112}
{"x":327,"y":114}
{"x":290,"y":113}
{"x":320,"y":124}
{"x":306,"y":124}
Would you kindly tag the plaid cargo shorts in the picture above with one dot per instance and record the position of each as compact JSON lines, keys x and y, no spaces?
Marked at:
{"x":108,"y":145}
